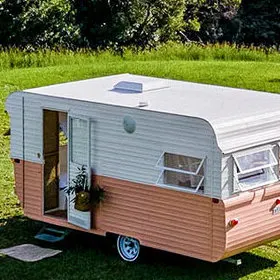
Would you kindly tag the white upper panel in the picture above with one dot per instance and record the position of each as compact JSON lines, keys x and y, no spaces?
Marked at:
{"x":240,"y":118}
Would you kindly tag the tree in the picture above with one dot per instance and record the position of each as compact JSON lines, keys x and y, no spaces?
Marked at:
{"x":49,"y":23}
{"x":257,"y":22}
{"x":207,"y":20}
{"x":138,"y":23}
{"x":39,"y":23}
{"x":9,"y":21}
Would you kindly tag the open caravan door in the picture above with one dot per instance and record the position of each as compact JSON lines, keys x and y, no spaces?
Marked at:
{"x":79,"y":158}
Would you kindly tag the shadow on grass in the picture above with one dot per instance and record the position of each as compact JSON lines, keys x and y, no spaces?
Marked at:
{"x":86,"y":256}
{"x":17,"y":230}
{"x":274,"y":80}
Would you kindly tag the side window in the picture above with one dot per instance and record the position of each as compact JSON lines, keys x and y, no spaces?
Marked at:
{"x":79,"y":141}
{"x":255,"y":169}
{"x":181,"y":172}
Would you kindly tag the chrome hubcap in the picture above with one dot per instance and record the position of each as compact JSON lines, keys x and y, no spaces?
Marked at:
{"x":128,"y":248}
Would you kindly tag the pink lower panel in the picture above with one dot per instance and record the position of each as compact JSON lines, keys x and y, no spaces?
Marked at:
{"x":258,"y":219}
{"x":183,"y":223}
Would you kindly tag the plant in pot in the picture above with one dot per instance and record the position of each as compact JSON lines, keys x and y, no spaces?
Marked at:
{"x":85,"y":196}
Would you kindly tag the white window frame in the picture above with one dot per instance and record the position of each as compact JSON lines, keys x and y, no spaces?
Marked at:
{"x":164,"y":168}
{"x":256,"y":168}
{"x":262,"y":167}
{"x":70,"y":138}
{"x":81,"y":219}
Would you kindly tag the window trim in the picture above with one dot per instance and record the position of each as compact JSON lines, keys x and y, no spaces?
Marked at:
{"x":158,"y":165}
{"x":164,"y":168}
{"x":255,"y":168}
{"x":243,"y":188}
{"x":70,"y":139}
{"x":265,"y":166}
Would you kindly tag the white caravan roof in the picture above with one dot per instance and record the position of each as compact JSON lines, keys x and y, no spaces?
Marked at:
{"x":240,"y":118}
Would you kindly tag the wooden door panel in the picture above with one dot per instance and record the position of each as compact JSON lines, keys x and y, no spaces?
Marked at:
{"x":51,"y":132}
{"x":51,"y":182}
{"x":51,"y":158}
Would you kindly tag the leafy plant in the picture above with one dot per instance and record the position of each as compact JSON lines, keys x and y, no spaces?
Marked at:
{"x":79,"y":183}
{"x":97,"y":195}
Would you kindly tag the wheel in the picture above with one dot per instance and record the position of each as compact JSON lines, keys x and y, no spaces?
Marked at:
{"x":128,"y":248}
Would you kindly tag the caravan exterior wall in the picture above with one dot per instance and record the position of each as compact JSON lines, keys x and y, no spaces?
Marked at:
{"x":124,"y":164}
{"x":116,"y":153}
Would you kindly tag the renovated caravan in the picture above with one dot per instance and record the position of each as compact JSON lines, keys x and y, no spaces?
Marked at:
{"x":186,"y":168}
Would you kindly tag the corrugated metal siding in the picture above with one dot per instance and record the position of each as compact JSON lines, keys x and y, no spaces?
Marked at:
{"x":257,"y":224}
{"x":163,"y":219}
{"x":215,"y":167}
{"x":14,"y":106}
{"x":18,"y":171}
{"x":218,"y":230}
{"x":240,"y":118}
{"x":116,"y":153}
{"x":227,"y":177}
{"x":182,"y":223}
{"x":33,"y":129}
{"x":33,"y":189}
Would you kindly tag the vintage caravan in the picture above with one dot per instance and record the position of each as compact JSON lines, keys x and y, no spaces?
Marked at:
{"x":187,"y":168}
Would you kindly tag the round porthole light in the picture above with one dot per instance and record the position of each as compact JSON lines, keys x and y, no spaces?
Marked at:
{"x":129,"y":124}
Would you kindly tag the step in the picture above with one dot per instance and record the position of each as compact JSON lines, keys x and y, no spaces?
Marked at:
{"x":61,"y":231}
{"x":51,"y":235}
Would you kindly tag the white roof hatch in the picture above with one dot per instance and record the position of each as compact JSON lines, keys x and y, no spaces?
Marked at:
{"x":138,"y":87}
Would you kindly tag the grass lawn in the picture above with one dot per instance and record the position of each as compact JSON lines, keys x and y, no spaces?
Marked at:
{"x":88,"y":257}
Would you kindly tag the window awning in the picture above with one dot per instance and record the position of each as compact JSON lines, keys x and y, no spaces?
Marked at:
{"x":180,"y":172}
{"x":254,"y":161}
{"x":255,"y":168}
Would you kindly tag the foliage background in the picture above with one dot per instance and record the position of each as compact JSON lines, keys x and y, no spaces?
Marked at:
{"x":139,"y":24}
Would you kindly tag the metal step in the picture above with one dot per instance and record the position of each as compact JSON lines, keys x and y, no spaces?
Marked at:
{"x":51,"y":235}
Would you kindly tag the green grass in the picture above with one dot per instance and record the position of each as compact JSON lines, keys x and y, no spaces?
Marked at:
{"x":85,"y":256}
{"x":14,"y":58}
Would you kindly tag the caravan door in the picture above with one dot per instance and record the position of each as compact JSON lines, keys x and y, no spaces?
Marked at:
{"x":79,"y":156}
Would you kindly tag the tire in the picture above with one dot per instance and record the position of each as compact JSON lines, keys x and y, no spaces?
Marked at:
{"x":128,"y":248}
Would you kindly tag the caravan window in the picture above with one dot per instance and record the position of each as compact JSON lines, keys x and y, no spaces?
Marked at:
{"x":79,"y":141}
{"x":180,"y":171}
{"x":255,"y":169}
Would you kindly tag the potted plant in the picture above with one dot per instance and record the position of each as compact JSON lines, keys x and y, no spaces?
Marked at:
{"x":85,"y":196}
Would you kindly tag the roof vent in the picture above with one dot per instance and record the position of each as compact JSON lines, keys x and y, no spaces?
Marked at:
{"x":136,"y":87}
{"x":129,"y":87}
{"x":145,"y":104}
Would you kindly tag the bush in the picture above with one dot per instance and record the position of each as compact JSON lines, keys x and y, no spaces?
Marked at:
{"x":10,"y":11}
{"x":208,"y":20}
{"x":38,"y":23}
{"x":257,"y":22}
{"x":89,"y":23}
{"x":49,"y":23}
{"x":141,"y":24}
